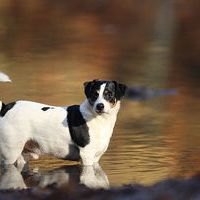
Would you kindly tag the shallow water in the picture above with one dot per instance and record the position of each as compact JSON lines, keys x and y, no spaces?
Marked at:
{"x":48,"y":63}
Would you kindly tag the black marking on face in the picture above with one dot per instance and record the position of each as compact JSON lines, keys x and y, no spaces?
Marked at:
{"x":46,"y":108}
{"x":120,"y":90}
{"x":92,"y":90}
{"x":109,"y":92}
{"x":5,"y":108}
{"x":77,"y":126}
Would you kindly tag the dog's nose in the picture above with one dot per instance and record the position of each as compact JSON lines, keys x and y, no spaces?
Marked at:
{"x":100,"y":106}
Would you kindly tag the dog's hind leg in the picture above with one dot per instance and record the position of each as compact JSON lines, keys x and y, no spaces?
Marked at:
{"x":12,"y":142}
{"x":12,"y":155}
{"x":10,"y":159}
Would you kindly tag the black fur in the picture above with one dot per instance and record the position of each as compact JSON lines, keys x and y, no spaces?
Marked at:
{"x":109,"y":93}
{"x":91,"y":89}
{"x":74,"y":153}
{"x":77,"y":126}
{"x":46,"y":108}
{"x":5,"y":108}
{"x":120,"y":90}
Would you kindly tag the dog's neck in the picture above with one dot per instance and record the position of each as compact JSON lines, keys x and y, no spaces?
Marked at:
{"x":89,"y":114}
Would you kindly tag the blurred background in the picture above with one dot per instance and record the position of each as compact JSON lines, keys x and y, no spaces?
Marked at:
{"x":49,"y":48}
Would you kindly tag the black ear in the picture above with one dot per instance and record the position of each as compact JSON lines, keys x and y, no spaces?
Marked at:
{"x":87,"y":87}
{"x":120,"y":90}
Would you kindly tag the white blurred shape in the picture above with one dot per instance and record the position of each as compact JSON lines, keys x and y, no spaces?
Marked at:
{"x":4,"y":77}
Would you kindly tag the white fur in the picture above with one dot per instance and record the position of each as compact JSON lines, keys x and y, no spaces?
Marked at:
{"x":11,"y":178}
{"x":100,"y":131}
{"x":26,"y":121}
{"x":100,"y":99}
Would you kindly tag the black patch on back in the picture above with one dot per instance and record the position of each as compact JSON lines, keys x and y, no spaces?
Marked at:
{"x":77,"y":126}
{"x":46,"y":108}
{"x":5,"y":108}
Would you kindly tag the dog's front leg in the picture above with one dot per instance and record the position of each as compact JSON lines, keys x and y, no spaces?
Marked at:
{"x":87,"y":155}
{"x":94,"y":177}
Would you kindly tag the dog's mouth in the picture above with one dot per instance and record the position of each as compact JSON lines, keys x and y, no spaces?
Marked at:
{"x":99,"y":112}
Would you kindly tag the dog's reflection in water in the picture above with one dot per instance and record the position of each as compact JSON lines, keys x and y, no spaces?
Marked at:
{"x":11,"y":178}
{"x":90,"y":176}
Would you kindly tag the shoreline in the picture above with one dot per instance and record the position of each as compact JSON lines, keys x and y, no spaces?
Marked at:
{"x":169,"y":189}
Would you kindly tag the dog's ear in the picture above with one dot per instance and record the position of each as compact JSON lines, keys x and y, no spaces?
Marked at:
{"x":87,"y":87}
{"x":120,"y":90}
{"x":86,"y":83}
{"x":89,"y":82}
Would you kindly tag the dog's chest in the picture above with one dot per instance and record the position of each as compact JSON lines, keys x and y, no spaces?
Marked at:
{"x":100,"y":132}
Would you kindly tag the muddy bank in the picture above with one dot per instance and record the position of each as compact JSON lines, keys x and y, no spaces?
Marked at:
{"x":171,"y":189}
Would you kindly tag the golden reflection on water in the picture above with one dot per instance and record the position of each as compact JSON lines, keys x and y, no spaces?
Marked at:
{"x":152,"y":140}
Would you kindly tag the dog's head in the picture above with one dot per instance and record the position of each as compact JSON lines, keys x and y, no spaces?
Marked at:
{"x":103,"y":96}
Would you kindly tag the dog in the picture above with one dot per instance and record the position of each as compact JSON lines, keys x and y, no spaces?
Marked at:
{"x":77,"y":132}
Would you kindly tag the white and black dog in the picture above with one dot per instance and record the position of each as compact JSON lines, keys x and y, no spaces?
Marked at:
{"x":73,"y":133}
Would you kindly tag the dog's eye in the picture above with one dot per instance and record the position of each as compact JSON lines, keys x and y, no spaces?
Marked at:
{"x":95,"y":95}
{"x":109,"y":94}
{"x":106,"y":92}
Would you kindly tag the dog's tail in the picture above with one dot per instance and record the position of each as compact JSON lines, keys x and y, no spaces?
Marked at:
{"x":1,"y":104}
{"x":4,"y":77}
